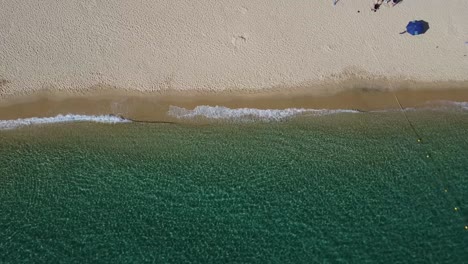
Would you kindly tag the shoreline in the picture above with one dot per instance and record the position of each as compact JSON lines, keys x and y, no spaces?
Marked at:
{"x":155,"y":106}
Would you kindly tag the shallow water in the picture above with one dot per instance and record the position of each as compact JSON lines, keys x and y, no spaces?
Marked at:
{"x":344,"y":187}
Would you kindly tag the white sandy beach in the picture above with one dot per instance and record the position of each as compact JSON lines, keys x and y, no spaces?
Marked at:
{"x":222,"y":45}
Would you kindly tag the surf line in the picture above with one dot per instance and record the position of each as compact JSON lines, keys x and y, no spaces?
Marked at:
{"x":144,"y":121}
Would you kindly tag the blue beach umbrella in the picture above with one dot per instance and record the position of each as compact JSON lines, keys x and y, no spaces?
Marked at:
{"x":417,"y":27}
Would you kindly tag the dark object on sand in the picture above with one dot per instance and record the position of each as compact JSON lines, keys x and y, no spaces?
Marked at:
{"x":376,"y":7}
{"x":416,"y":27}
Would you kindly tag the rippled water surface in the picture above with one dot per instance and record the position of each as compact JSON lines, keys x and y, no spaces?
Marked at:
{"x":350,"y":187}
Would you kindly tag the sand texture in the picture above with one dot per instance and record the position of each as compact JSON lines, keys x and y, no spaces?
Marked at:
{"x":218,"y":45}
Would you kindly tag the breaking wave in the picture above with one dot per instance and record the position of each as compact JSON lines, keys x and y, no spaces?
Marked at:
{"x":110,"y":119}
{"x":246,"y":114}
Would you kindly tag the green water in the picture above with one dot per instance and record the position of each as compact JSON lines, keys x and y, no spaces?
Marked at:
{"x":352,"y":188}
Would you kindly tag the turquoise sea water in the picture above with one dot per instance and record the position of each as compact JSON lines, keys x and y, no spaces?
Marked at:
{"x":354,"y":188}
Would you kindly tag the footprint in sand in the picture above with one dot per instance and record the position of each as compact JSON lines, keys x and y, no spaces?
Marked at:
{"x":239,"y":40}
{"x":244,"y":10}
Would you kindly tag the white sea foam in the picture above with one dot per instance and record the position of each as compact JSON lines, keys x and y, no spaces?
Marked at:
{"x":447,"y":105}
{"x":246,"y":114}
{"x":462,"y":105}
{"x":11,"y":124}
{"x":440,"y":105}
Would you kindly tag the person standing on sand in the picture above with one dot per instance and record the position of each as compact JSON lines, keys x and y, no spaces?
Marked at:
{"x":377,"y":5}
